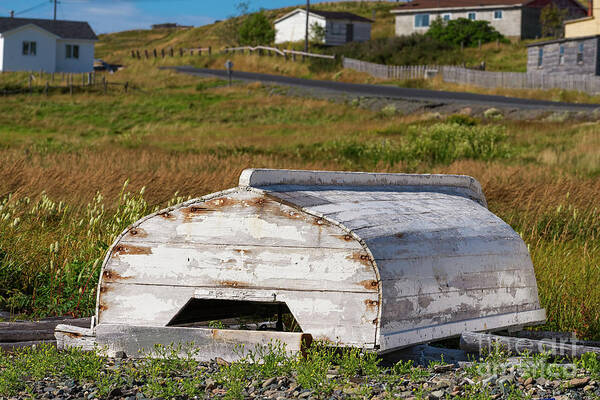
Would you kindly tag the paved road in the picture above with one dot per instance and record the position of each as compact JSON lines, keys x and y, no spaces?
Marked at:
{"x":394,"y":92}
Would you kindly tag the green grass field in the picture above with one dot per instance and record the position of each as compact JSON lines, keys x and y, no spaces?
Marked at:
{"x":75,"y":170}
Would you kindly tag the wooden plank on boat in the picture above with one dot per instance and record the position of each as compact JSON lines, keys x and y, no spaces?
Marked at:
{"x":242,"y":266}
{"x":241,"y":218}
{"x":340,"y":317}
{"x":207,"y":344}
{"x":405,"y":338}
{"x":68,"y":336}
{"x":481,"y":342}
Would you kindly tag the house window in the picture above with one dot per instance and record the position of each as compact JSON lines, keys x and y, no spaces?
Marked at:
{"x":580,"y":53}
{"x":421,"y":20}
{"x":72,"y":51}
{"x":472,"y":16}
{"x":540,"y":56}
{"x":29,"y":48}
{"x":446,"y":17}
{"x":498,"y":14}
{"x":561,"y":55}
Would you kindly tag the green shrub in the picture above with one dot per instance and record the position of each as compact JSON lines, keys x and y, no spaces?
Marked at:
{"x":463,"y":31}
{"x":256,"y":30}
{"x":460,"y":119}
{"x":312,"y":370}
{"x":438,"y":144}
{"x":415,"y":49}
{"x":446,"y":143}
{"x":58,"y":274}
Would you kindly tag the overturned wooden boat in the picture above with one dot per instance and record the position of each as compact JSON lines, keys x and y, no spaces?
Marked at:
{"x":376,"y":261}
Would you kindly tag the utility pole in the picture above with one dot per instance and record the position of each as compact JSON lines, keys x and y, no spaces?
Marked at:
{"x":55,"y":9}
{"x":307,"y":33}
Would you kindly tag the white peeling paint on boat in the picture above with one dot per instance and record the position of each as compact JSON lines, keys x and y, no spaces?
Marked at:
{"x":378,"y":261}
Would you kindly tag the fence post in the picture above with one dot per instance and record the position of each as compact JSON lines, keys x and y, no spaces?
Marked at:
{"x":104,"y":84}
{"x":126,"y":86}
{"x":162,"y":53}
{"x":132,"y":54}
{"x":46,"y":88}
{"x":30,"y":83}
{"x":137,"y":53}
{"x":155,"y":54}
{"x":146,"y":54}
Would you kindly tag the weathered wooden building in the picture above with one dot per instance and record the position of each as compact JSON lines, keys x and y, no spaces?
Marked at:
{"x":376,"y":261}
{"x":575,"y":56}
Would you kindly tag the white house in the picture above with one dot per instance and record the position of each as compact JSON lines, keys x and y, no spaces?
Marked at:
{"x":339,"y":27}
{"x":46,"y":45}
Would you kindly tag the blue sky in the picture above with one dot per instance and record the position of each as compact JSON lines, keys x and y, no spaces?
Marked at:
{"x":117,"y":15}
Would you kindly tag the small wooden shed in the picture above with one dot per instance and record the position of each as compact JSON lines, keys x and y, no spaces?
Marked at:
{"x":338,"y":28}
{"x":376,"y":261}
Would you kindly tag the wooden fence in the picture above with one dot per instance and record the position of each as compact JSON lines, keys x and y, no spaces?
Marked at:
{"x":274,"y":51}
{"x":45,"y":82}
{"x":474,"y":77}
{"x":520,"y":80}
{"x":170,"y":52}
{"x":391,"y":71}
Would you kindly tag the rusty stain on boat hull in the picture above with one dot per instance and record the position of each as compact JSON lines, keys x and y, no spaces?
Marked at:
{"x":377,"y":261}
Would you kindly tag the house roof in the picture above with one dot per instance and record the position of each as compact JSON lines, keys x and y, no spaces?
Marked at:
{"x":563,"y":40}
{"x":62,"y":29}
{"x":328,"y":15}
{"x":451,"y":4}
{"x":340,"y":15}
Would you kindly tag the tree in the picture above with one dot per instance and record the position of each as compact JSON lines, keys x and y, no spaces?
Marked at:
{"x":552,"y":20}
{"x":463,"y":31}
{"x":256,"y":29}
{"x":317,"y":33}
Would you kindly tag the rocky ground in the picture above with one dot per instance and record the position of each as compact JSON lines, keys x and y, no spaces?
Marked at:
{"x":406,"y":107}
{"x":435,"y":382}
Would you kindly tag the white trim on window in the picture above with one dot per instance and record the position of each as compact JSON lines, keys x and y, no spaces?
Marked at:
{"x":422,"y":20}
{"x":446,"y":16}
{"x":29,"y":48}
{"x":72,"y":51}
{"x":580,"y":51}
{"x":472,"y":16}
{"x":561,"y":54}
{"x":498,"y":14}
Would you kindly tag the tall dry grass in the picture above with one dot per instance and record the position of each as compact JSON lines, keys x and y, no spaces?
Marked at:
{"x":64,"y":160}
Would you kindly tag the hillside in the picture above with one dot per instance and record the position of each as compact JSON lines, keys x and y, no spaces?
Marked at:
{"x":117,"y":45}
